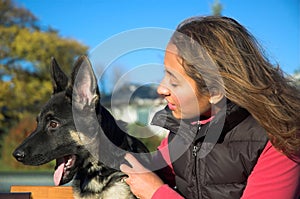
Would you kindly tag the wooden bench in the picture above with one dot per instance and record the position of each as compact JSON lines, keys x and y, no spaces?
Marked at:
{"x":15,"y":195}
{"x":45,"y":192}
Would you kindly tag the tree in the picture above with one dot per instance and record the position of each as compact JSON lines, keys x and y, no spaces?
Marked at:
{"x":11,"y":15}
{"x":217,"y":8}
{"x":25,"y":54}
{"x":297,"y":77}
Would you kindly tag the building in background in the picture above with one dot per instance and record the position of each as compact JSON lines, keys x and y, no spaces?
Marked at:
{"x":133,"y":103}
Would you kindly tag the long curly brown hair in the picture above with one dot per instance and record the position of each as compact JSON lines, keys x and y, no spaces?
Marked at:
{"x":219,"y":52}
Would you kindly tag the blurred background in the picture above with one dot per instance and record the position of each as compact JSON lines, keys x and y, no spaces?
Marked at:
{"x":31,"y":32}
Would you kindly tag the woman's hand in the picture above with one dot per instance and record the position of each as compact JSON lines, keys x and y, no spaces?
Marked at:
{"x":143,"y":183}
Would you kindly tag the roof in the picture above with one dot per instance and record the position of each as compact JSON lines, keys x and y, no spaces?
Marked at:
{"x":132,"y":94}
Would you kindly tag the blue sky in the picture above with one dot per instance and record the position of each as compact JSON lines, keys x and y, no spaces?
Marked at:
{"x":275,"y":23}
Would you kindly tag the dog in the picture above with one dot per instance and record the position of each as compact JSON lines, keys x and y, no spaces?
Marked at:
{"x":74,"y":129}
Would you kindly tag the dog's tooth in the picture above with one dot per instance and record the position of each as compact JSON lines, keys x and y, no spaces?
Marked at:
{"x":68,"y":162}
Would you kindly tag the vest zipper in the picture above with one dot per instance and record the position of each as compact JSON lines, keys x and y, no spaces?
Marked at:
{"x":195,"y":150}
{"x":194,"y":153}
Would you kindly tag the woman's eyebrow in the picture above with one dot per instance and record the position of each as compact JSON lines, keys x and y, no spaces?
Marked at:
{"x":171,"y":74}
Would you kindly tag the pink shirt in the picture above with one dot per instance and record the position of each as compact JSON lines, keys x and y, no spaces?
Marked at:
{"x":274,"y":176}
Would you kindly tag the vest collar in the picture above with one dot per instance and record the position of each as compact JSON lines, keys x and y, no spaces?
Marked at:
{"x":226,"y":119}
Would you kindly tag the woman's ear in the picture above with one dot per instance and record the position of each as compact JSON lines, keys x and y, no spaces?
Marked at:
{"x":216,"y":95}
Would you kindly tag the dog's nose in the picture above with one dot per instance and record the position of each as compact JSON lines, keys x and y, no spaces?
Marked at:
{"x":19,"y":155}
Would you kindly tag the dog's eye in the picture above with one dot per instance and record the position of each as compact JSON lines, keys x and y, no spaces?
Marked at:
{"x":53,"y":124}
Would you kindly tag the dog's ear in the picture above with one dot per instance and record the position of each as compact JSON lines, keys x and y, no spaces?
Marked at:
{"x":84,"y":83}
{"x":59,"y":78}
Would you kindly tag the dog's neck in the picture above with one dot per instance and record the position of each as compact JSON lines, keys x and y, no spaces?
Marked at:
{"x":95,"y":177}
{"x":110,"y":127}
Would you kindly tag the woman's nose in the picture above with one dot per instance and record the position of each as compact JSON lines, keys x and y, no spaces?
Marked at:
{"x":163,"y":90}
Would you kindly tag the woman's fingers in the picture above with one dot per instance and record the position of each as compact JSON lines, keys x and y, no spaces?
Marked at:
{"x":125,"y":168}
{"x":143,"y":183}
{"x":136,"y":166}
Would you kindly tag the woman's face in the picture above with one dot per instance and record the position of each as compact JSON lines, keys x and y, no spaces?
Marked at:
{"x":180,"y":90}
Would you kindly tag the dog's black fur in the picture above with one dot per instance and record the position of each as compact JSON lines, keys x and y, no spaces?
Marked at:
{"x":73,"y":127}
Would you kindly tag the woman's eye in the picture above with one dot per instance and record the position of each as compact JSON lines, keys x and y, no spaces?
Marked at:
{"x":173,"y":84}
{"x":53,"y":124}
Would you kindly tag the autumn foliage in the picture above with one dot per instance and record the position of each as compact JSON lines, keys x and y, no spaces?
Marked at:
{"x":26,"y":49}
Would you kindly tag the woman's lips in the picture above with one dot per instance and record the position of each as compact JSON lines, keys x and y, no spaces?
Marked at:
{"x":172,"y":107}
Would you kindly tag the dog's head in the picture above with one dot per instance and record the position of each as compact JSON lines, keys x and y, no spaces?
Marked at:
{"x":56,"y":135}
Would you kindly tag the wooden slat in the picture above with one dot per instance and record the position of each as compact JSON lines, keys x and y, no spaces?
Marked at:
{"x":15,"y":195}
{"x":45,"y":192}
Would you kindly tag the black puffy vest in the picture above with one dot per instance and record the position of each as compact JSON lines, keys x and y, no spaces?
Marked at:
{"x":213,"y":161}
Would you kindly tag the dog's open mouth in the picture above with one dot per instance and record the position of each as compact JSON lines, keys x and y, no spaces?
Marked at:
{"x":63,"y":168}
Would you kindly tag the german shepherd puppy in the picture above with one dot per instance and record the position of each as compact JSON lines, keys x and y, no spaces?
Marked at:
{"x":82,"y":136}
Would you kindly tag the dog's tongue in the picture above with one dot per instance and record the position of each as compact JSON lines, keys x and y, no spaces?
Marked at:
{"x":59,"y":171}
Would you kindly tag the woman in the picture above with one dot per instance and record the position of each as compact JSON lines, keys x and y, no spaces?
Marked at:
{"x":233,"y":118}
